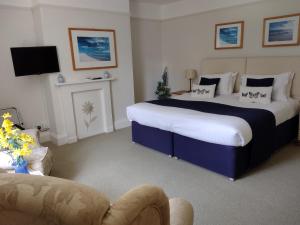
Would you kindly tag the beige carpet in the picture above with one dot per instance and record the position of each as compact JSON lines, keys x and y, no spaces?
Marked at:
{"x":270,"y":195}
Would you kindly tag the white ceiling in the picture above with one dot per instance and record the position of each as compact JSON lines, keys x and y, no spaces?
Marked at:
{"x":158,"y":2}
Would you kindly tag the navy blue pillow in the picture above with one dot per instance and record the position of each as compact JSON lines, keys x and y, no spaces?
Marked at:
{"x":210,"y":81}
{"x":264,"y":82}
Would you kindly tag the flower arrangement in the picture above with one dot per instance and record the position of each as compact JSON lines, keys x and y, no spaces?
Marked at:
{"x":14,"y":142}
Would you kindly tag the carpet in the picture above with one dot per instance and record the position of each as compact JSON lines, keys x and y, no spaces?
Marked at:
{"x":112,"y":164}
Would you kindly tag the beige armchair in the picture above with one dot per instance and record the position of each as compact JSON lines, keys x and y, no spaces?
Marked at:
{"x":36,"y":200}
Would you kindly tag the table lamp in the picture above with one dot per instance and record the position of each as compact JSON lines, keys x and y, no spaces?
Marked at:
{"x":190,"y":74}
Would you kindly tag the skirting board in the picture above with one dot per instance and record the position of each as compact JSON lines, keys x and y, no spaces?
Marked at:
{"x":63,"y":139}
{"x":123,"y":123}
{"x":45,"y":137}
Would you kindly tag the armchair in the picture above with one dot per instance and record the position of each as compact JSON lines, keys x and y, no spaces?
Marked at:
{"x":36,"y":200}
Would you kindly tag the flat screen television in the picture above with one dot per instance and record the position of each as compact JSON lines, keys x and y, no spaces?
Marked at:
{"x":34,"y":60}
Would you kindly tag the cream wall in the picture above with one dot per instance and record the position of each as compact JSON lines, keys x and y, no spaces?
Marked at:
{"x":187,"y":40}
{"x":25,"y":93}
{"x":147,"y":57}
{"x":53,"y":30}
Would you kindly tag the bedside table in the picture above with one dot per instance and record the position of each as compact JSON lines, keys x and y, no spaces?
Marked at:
{"x":179,"y":92}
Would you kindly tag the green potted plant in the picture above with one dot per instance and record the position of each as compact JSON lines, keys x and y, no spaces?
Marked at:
{"x":162,"y":90}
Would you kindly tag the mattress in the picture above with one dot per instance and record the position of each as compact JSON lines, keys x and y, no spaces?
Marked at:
{"x":212,"y":128}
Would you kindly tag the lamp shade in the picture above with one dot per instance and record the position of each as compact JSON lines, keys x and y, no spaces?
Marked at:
{"x":190,"y":74}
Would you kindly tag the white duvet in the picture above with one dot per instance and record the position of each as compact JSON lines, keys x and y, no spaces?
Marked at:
{"x":212,"y":128}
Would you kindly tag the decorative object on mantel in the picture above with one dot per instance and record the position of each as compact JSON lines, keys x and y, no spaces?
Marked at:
{"x":15,"y":144}
{"x":106,"y":75}
{"x":190,"y":74}
{"x":162,"y":90}
{"x":94,"y":78}
{"x":93,"y":48}
{"x":60,"y":79}
{"x":229,"y":35}
{"x":282,"y":31}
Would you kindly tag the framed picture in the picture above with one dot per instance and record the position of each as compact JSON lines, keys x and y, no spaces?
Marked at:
{"x":229,"y":35}
{"x":93,"y":48}
{"x":281,"y":31}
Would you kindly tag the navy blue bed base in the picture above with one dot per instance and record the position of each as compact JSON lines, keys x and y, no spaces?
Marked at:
{"x":154,"y":138}
{"x":229,"y":161}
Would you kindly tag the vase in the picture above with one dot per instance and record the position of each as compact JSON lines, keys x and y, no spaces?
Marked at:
{"x":21,"y":168}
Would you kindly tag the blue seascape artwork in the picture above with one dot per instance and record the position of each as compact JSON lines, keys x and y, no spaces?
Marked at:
{"x":94,"y":49}
{"x":229,"y":35}
{"x":281,"y":31}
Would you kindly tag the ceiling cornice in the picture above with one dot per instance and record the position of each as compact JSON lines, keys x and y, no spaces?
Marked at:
{"x":105,"y":5}
{"x":181,"y":8}
{"x":146,"y":11}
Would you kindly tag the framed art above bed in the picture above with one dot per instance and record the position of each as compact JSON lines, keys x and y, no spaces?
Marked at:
{"x":281,"y":31}
{"x":229,"y":35}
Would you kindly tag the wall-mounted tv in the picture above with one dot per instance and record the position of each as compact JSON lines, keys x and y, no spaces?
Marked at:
{"x":34,"y":60}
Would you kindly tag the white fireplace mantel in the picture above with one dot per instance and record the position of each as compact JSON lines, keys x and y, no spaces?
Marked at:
{"x":83,"y":81}
{"x":86,"y":107}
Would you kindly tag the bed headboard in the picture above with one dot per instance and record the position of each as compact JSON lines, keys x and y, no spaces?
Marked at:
{"x":255,"y":65}
{"x":221,"y":65}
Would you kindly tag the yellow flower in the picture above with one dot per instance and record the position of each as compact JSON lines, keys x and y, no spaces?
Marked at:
{"x":13,"y":139}
{"x":7,"y":124}
{"x":1,"y":133}
{"x":26,"y":138}
{"x":25,"y":150}
{"x":22,"y":152}
{"x":6,"y":115}
{"x":8,"y":130}
{"x":4,"y":143}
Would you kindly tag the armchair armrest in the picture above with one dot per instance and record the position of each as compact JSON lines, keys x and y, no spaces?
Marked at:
{"x":181,"y":211}
{"x":145,"y":205}
{"x":27,"y":199}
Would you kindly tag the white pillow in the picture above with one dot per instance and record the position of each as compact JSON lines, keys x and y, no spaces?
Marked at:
{"x":203,"y":91}
{"x":256,"y":94}
{"x":281,"y":87}
{"x":226,"y":84}
{"x":5,"y":161}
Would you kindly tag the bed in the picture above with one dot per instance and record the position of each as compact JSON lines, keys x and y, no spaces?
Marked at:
{"x":242,"y":141}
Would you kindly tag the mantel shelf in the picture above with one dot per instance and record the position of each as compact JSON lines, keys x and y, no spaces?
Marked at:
{"x":83,"y":81}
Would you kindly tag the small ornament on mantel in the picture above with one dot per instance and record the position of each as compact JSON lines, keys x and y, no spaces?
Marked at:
{"x":162,"y":90}
{"x":61,"y":79}
{"x":106,"y":75}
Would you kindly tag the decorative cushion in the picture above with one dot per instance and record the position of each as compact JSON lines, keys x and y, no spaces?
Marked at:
{"x":5,"y":161}
{"x":226,"y":84}
{"x":41,"y":160}
{"x":256,"y":94}
{"x":281,"y":86}
{"x":210,"y":81}
{"x":264,"y":82}
{"x":203,"y":91}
